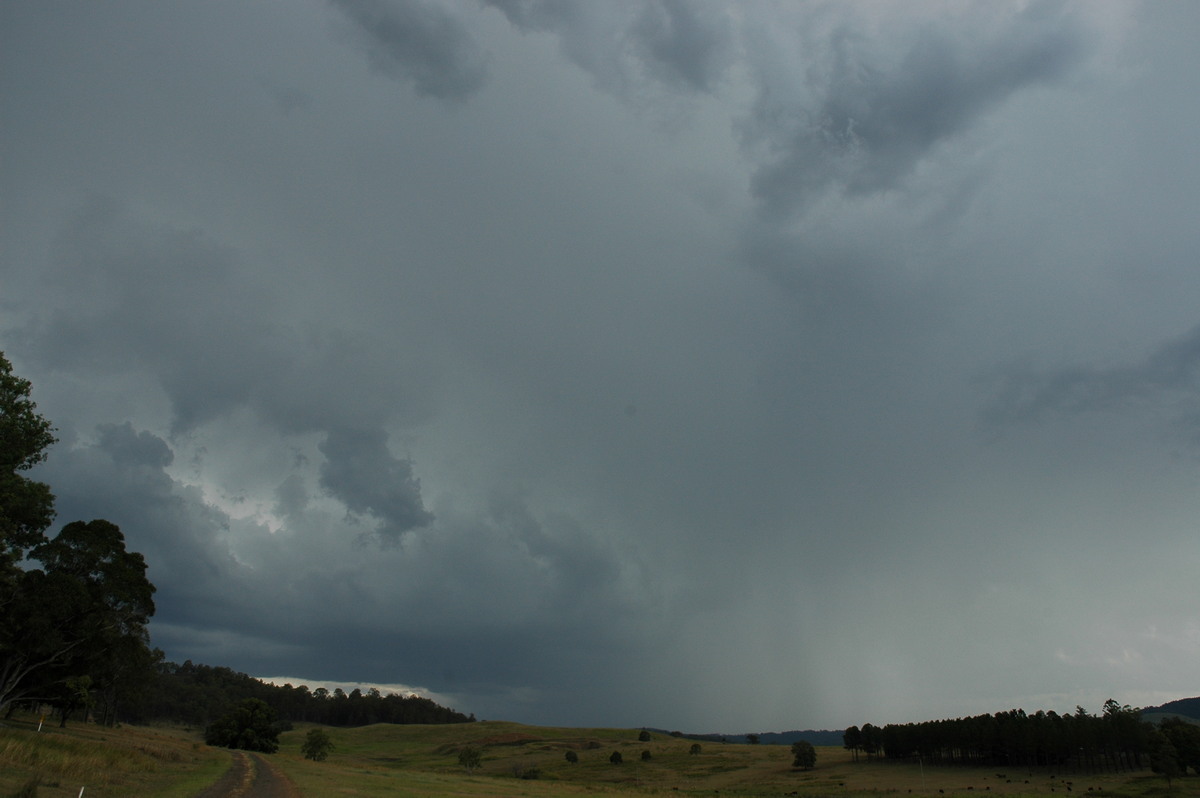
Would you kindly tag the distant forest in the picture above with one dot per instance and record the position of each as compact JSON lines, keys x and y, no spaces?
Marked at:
{"x":196,"y":695}
{"x":1116,"y":740}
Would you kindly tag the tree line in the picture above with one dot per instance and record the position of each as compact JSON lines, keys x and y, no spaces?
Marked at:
{"x":197,"y":695}
{"x":1115,"y":740}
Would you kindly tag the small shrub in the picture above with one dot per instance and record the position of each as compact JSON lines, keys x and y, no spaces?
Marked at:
{"x":572,"y":757}
{"x":646,"y":756}
{"x":695,"y":749}
{"x":616,"y":758}
{"x":644,"y":737}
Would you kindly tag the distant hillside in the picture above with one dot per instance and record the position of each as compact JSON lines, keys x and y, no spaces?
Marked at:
{"x":1187,"y":707}
{"x":816,"y":737}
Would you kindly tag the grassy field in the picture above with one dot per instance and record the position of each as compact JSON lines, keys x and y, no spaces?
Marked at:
{"x":172,"y":763}
{"x":423,"y":761}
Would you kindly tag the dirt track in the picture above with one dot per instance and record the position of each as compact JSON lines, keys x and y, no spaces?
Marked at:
{"x":251,"y":776}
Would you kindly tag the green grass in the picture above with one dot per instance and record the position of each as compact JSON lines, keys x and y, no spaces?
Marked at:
{"x":423,"y":761}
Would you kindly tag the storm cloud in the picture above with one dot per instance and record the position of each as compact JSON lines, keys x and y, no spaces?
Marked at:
{"x":697,"y":365}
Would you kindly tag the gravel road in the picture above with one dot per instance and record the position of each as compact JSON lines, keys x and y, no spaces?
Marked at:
{"x":251,"y":776}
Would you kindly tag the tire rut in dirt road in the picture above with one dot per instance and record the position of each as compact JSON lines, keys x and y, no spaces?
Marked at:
{"x":251,"y":776}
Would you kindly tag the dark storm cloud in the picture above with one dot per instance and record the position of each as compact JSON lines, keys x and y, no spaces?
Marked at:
{"x":687,"y":45}
{"x":684,"y":43}
{"x":419,"y":42}
{"x":361,"y":472}
{"x":872,"y":110}
{"x":654,"y":355}
{"x":1168,"y":377}
{"x":120,"y":476}
{"x":492,"y":601}
{"x":176,"y":305}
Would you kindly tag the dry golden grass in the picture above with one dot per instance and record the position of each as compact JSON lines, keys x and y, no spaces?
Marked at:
{"x":107,"y":762}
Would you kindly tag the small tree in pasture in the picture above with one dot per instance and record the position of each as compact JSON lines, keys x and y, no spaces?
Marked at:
{"x":803,"y":755}
{"x":616,"y":758}
{"x":469,"y":757}
{"x":317,"y":745}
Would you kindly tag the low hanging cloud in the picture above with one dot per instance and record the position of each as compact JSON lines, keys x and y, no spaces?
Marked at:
{"x":361,"y":472}
{"x":421,"y":43}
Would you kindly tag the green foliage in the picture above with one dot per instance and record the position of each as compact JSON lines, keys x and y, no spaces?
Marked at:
{"x":26,"y":506}
{"x":1117,"y":738}
{"x":316,"y":745}
{"x":249,"y":726}
{"x":1185,"y":738}
{"x":643,"y":736}
{"x":469,"y":757}
{"x":695,"y":749}
{"x":616,"y":758}
{"x":196,"y":694}
{"x":646,"y":756}
{"x":852,"y":741}
{"x":1164,"y":759}
{"x":572,"y":757}
{"x":803,"y":755}
{"x":83,"y":613}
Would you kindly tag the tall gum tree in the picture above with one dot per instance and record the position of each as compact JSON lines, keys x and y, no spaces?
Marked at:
{"x":26,"y":506}
{"x":85,"y":610}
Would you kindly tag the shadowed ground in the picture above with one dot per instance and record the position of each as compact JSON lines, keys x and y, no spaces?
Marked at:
{"x":251,"y":776}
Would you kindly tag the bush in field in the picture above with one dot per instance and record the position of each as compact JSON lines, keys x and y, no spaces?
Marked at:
{"x":646,"y":756}
{"x":803,"y":755}
{"x":250,"y":726}
{"x":644,"y":736}
{"x":616,"y":758}
{"x":470,"y":757}
{"x":317,"y":745}
{"x":695,"y":749}
{"x":572,"y":757}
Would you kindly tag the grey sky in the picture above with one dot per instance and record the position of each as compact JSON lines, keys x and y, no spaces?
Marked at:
{"x":701,"y":365}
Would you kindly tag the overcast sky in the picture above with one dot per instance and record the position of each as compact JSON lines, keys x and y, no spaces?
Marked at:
{"x":700,"y":365}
